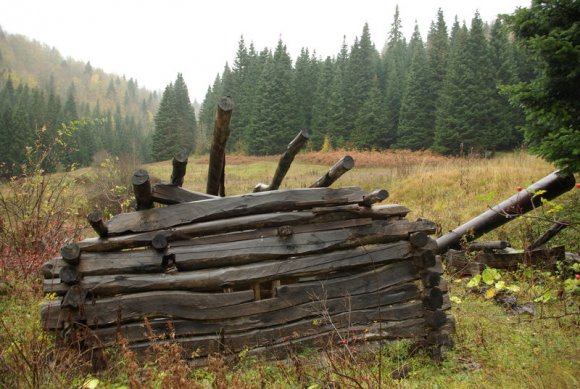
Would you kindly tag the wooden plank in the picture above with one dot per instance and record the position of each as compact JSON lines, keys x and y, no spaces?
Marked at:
{"x":389,"y":280}
{"x":241,"y":276}
{"x":245,"y":332}
{"x":316,"y":215}
{"x":343,"y":322}
{"x":240,"y":252}
{"x":285,"y":230}
{"x":248,"y":204}
{"x":172,"y":194}
{"x":410,"y":329}
{"x":136,"y":306}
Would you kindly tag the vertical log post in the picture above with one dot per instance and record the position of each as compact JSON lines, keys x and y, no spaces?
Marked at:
{"x":179,"y":168}
{"x":96,"y":221}
{"x":142,"y":190}
{"x":285,"y":161}
{"x":221,"y":132}
{"x":335,"y":172}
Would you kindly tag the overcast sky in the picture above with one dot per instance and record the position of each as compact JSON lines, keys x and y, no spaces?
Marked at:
{"x":152,"y":40}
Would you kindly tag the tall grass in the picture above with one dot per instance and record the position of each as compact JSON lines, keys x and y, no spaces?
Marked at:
{"x":493,"y":348}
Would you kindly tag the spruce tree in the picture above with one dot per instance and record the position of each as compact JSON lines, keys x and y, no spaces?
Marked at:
{"x":452,"y":101}
{"x":416,"y":128}
{"x":369,"y":124}
{"x":275,"y":123}
{"x":395,"y":64}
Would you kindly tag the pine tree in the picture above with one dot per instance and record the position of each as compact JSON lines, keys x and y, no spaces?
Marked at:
{"x":322,"y":107}
{"x":437,"y":60}
{"x":369,"y":124}
{"x":275,"y":124}
{"x":506,"y":118}
{"x":162,"y":141}
{"x":395,"y":64}
{"x":362,"y":67}
{"x":452,"y":109}
{"x":416,"y":130}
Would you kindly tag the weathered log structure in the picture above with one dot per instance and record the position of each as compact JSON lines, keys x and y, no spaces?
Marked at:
{"x":264,"y":271}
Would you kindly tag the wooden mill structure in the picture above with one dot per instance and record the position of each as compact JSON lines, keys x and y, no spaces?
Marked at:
{"x":268,"y":271}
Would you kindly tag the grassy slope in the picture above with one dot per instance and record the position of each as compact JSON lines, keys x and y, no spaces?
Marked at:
{"x":493,"y":349}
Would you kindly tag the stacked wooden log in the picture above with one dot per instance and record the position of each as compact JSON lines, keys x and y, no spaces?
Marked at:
{"x":257,"y":271}
{"x":267,"y":271}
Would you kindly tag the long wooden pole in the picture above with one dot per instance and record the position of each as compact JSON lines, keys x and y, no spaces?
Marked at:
{"x":221,"y":132}
{"x":285,"y":161}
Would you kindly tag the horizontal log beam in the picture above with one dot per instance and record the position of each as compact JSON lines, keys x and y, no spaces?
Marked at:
{"x":316,"y":215}
{"x":389,"y":280}
{"x":172,"y":194}
{"x":198,"y":256}
{"x":232,"y":206}
{"x":241,"y":276}
{"x":238,"y":333}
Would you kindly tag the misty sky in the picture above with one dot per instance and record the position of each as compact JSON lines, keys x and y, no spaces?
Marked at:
{"x":151,"y":41}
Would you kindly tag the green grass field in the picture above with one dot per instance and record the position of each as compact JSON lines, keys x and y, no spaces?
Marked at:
{"x":494,"y":348}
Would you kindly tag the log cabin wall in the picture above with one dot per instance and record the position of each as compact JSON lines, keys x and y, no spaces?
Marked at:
{"x":263,"y":271}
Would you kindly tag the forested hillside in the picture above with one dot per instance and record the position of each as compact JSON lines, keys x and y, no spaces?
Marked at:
{"x":441,"y":93}
{"x":45,"y":97}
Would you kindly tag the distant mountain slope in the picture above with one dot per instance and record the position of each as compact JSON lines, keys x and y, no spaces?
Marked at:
{"x":41,"y":93}
{"x":39,"y":65}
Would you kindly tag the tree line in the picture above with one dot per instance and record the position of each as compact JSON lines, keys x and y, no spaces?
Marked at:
{"x":441,"y":94}
{"x":66,"y":109}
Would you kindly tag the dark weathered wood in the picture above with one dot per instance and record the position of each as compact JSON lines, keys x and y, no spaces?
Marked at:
{"x":419,"y":239}
{"x":75,"y":297}
{"x":436,"y":318}
{"x":526,"y":200}
{"x":159,"y":242}
{"x":335,"y":172}
{"x":283,"y":231}
{"x":413,"y":328}
{"x":221,"y":133}
{"x":488,"y":245}
{"x":212,"y":306}
{"x":71,"y":253}
{"x":179,"y":168}
{"x":458,"y":264}
{"x":170,"y":194}
{"x":177,"y":304}
{"x":425,"y":259}
{"x":316,"y":215}
{"x":554,"y":229}
{"x":270,"y":345}
{"x":240,"y":333}
{"x":430,"y":278}
{"x":432,"y":298}
{"x":142,"y":190}
{"x":285,"y":161}
{"x":386,"y":211}
{"x":240,"y":276}
{"x":96,"y":220}
{"x":220,"y":208}
{"x":69,"y":275}
{"x":375,"y":197}
{"x":238,"y":252}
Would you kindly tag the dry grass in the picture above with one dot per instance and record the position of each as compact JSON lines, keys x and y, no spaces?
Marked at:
{"x":493,"y":349}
